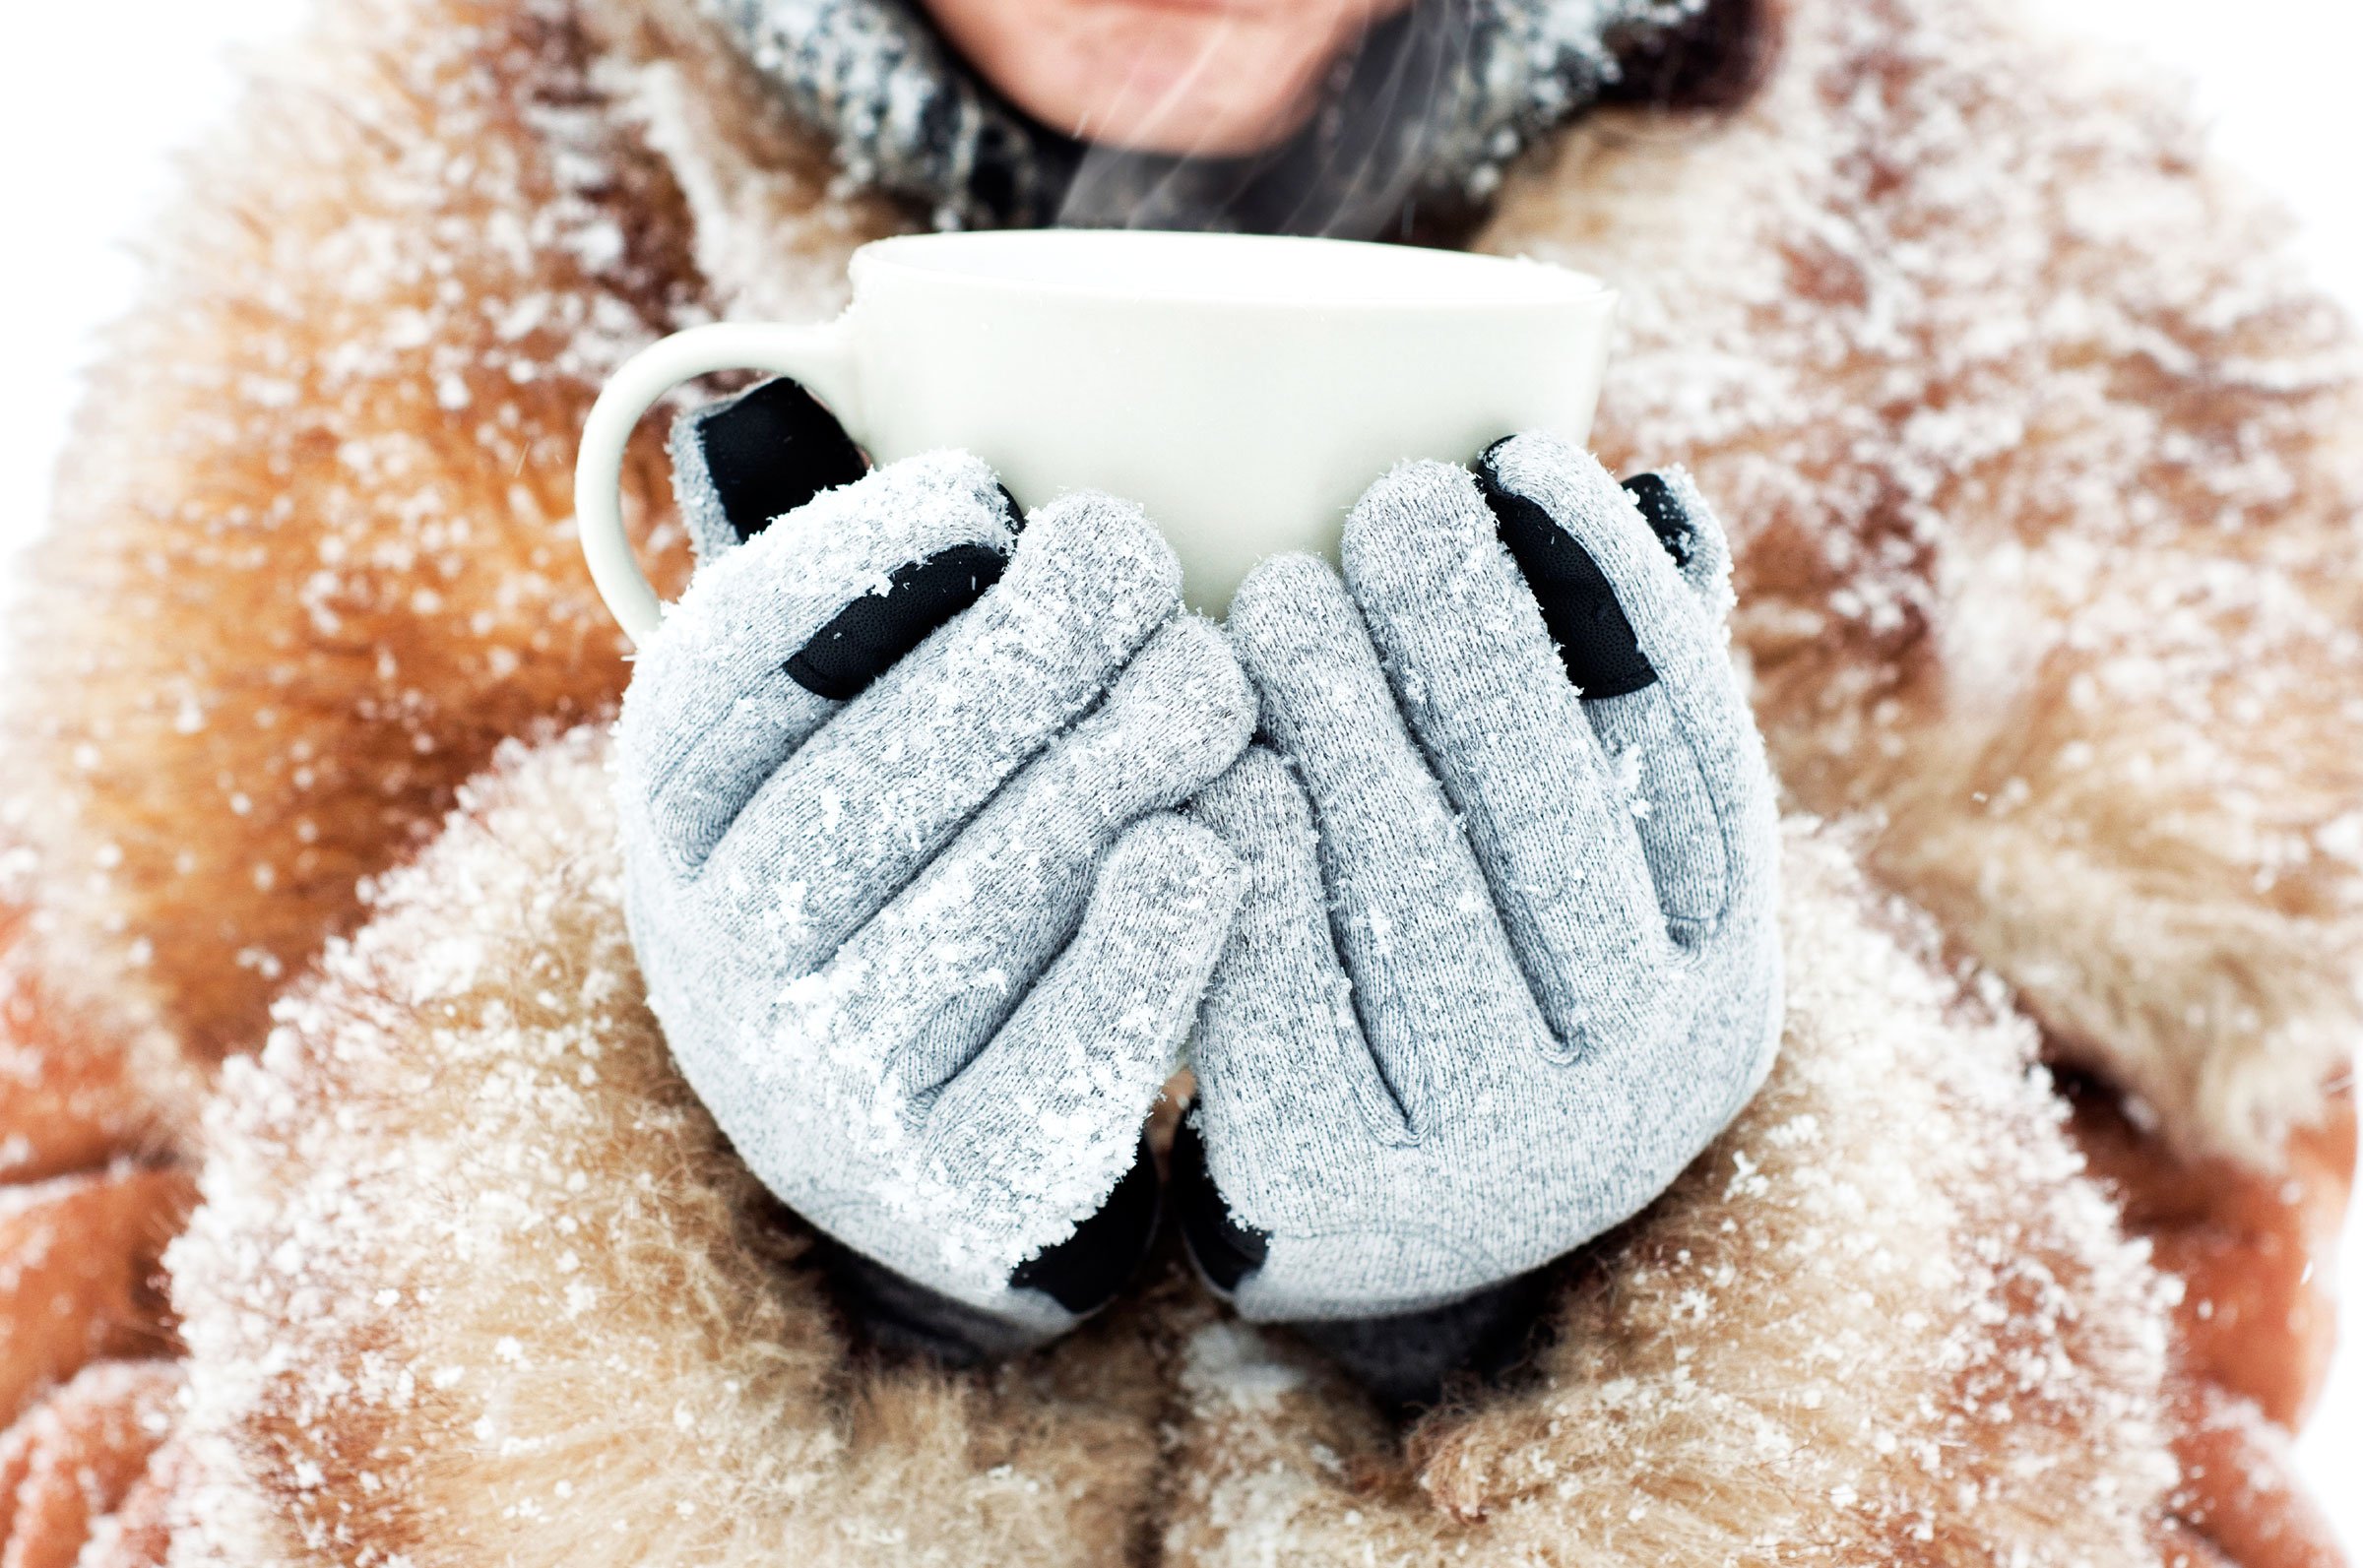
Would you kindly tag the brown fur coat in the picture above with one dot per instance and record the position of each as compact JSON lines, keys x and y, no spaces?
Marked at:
{"x":2044,"y":479}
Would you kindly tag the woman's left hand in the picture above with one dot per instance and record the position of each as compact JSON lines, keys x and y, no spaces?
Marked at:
{"x":1507,"y":958}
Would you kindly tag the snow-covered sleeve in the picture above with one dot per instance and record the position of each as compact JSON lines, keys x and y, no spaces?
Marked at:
{"x":473,"y":1261}
{"x":1885,"y":1308}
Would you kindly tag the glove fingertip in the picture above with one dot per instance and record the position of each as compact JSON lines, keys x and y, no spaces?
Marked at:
{"x":1678,"y":515}
{"x":704,"y":516}
{"x":1596,"y":642}
{"x":1287,"y":604}
{"x":1410,"y":532}
{"x":1219,"y":689}
{"x":1192,"y":856}
{"x":1109,"y":552}
{"x":741,"y":463}
{"x":1663,"y":510}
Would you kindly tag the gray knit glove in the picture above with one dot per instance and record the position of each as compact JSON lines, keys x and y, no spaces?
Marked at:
{"x":915,"y":912}
{"x":1507,"y":959}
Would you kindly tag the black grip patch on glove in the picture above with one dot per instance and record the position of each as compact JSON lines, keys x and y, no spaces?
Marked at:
{"x":1083,"y":1272}
{"x":1225,"y":1250}
{"x":863,"y":640}
{"x":1596,"y":643}
{"x":1665,"y":514}
{"x":770,"y":450}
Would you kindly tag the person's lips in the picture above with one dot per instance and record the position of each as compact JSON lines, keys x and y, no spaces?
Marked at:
{"x":1211,"y":78}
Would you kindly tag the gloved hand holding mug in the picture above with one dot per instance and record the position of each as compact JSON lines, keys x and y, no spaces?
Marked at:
{"x":923,"y":933}
{"x":1506,"y":961}
{"x":925,"y":930}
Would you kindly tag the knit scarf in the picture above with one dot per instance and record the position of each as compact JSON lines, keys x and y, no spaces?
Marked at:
{"x":1414,"y":127}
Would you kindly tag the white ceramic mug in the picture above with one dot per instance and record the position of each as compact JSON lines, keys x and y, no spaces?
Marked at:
{"x":1245,"y":390}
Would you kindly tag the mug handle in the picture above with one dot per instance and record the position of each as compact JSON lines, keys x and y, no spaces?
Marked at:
{"x":820,"y":359}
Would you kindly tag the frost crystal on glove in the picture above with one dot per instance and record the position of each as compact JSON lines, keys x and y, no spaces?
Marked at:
{"x":1506,"y":961}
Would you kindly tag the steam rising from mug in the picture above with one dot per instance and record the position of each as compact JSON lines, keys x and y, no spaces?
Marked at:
{"x":1357,"y":169}
{"x":1244,"y":389}
{"x":1414,"y":123}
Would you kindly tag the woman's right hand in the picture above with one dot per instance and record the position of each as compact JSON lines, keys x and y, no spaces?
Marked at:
{"x":905,"y":879}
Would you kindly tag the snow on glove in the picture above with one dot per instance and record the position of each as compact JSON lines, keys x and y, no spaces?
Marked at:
{"x":1507,"y":959}
{"x":915,"y":913}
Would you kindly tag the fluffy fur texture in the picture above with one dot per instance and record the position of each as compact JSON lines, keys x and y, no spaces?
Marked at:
{"x":476,"y":1280}
{"x":1884,"y":1319}
{"x":326,"y":476}
{"x":2044,"y":479}
{"x":80,"y":1459}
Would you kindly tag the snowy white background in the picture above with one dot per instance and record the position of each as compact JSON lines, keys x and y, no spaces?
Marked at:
{"x":95,"y":99}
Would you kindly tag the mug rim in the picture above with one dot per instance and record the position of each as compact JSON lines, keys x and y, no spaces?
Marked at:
{"x":1561,"y":286}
